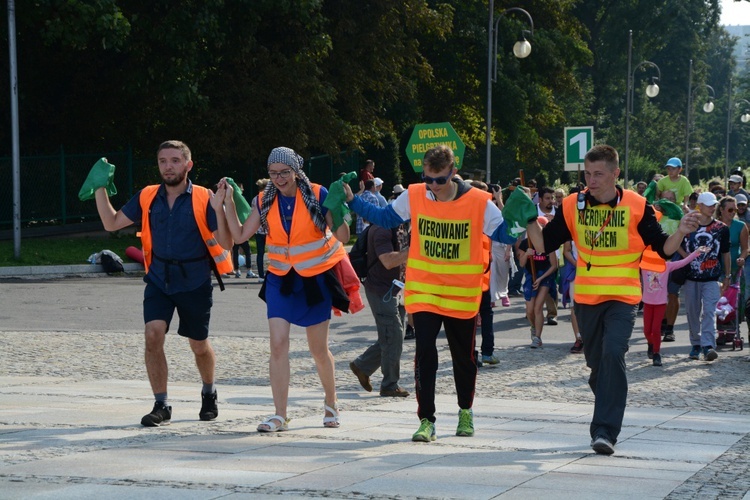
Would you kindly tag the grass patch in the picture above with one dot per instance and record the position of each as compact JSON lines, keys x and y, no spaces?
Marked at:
{"x":72,"y":250}
{"x":64,"y":250}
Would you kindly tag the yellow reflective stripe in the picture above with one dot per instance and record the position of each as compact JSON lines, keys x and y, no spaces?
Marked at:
{"x":455,"y":291}
{"x":607,"y":272}
{"x":455,"y":305}
{"x":608,"y":260}
{"x":612,"y":290}
{"x":445,"y":268}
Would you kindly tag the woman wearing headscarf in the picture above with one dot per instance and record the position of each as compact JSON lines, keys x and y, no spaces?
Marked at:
{"x":300,"y":286}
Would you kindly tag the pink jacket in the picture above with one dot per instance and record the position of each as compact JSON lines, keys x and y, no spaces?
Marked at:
{"x":654,"y":284}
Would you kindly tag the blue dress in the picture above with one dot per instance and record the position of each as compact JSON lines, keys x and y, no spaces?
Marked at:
{"x":294,"y":308}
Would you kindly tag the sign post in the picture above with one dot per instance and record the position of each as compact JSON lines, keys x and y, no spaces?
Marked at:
{"x":578,"y":140}
{"x":428,"y":135}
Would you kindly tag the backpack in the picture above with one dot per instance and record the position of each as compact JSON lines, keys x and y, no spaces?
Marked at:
{"x":111,"y":262}
{"x":358,"y":253}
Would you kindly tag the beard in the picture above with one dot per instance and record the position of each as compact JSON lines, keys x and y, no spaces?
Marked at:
{"x":178,"y":179}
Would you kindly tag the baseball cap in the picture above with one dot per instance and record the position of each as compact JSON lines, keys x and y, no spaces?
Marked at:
{"x":378,"y":181}
{"x":741,"y":199}
{"x":398,"y":189}
{"x":674,"y":162}
{"x":735,"y":178}
{"x":708,"y":199}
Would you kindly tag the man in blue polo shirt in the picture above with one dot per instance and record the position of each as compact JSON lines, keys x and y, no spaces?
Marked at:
{"x":183,"y":230}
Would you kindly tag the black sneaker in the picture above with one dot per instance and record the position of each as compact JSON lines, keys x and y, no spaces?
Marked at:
{"x":552,"y":321}
{"x":602,"y":446}
{"x":160,"y":415}
{"x":410,"y":335}
{"x":668,"y":333}
{"x":657,"y":359}
{"x":209,"y":409}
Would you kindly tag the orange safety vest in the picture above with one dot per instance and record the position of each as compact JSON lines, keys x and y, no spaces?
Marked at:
{"x":651,"y":260}
{"x":200,"y":197}
{"x":306,"y":248}
{"x":446,"y":263}
{"x":487,"y":244}
{"x":608,"y":264}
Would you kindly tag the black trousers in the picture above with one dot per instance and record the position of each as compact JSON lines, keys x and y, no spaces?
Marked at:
{"x":606,"y":329}
{"x":461,"y":341}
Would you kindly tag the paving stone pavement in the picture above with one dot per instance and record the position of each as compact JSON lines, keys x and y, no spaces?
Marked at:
{"x":79,"y":341}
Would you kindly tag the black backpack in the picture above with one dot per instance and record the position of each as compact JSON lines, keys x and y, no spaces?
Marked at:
{"x":358,"y":253}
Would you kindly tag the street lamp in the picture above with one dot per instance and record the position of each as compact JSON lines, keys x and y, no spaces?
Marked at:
{"x":708,"y":106}
{"x":521,"y":49}
{"x":744,"y":118}
{"x":652,"y":90}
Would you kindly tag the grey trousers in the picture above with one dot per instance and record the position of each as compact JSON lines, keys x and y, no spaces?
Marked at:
{"x":386,"y":352}
{"x":701,"y":298}
{"x":606,"y":329}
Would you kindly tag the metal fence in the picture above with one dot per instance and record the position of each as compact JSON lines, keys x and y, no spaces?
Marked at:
{"x":50,"y":184}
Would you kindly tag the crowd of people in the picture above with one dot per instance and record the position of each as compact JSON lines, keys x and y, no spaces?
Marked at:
{"x":441,"y":255}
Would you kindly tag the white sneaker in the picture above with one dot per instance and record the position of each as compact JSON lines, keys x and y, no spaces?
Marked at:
{"x":536,"y":342}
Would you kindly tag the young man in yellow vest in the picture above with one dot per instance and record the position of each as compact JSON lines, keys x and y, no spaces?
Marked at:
{"x":183,"y":229}
{"x":444,"y":274}
{"x":611,"y":228}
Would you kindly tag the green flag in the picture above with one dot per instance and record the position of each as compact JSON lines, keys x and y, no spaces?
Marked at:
{"x":669,"y":209}
{"x":240,"y":203}
{"x":518,"y":211}
{"x":335,"y":202}
{"x":650,"y":192}
{"x":102,"y":174}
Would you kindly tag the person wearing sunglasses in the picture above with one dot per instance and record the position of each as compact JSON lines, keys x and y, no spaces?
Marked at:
{"x":444,"y":273}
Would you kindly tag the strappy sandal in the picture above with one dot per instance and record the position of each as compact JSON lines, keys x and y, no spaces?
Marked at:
{"x":332,"y":421}
{"x":271,"y":424}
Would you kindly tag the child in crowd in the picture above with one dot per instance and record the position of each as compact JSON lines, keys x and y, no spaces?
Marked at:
{"x":535,"y":290}
{"x":655,"y":302}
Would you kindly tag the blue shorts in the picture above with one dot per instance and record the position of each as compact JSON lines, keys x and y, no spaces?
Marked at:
{"x":193,"y":308}
{"x":529,"y":293}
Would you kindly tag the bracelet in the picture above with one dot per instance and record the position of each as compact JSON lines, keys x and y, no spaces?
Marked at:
{"x":727,"y":276}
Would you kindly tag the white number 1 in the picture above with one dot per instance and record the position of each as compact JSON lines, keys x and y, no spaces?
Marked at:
{"x":580,"y":138}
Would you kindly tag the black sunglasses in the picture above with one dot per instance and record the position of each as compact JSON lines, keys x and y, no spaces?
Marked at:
{"x":437,"y":180}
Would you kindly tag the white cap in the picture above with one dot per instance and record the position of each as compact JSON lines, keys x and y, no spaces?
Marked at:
{"x":398,"y":189}
{"x":735,"y":178}
{"x":708,"y":199}
{"x":378,"y":181}
{"x":741,"y":199}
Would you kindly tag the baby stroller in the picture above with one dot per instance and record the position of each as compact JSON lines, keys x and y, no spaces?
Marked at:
{"x":728,"y":317}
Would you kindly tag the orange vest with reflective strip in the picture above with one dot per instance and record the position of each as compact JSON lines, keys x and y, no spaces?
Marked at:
{"x":487,"y":244}
{"x":446,"y":263}
{"x":306,"y":248}
{"x":614,"y":255}
{"x":200,"y":197}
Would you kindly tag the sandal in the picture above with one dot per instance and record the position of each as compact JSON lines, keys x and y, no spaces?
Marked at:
{"x":332,"y":421}
{"x":271,"y":424}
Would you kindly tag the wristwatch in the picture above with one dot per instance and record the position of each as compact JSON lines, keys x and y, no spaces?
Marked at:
{"x":727,"y":276}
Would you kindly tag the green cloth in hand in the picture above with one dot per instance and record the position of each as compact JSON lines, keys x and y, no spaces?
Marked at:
{"x":650,"y":192}
{"x":335,"y":202}
{"x":240,"y":203}
{"x":518,"y":211}
{"x":102,"y":174}
{"x":669,"y":209}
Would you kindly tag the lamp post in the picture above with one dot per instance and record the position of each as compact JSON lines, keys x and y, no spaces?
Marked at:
{"x":744,"y":118}
{"x":708,"y":107}
{"x":521,"y":49}
{"x":651,"y":91}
